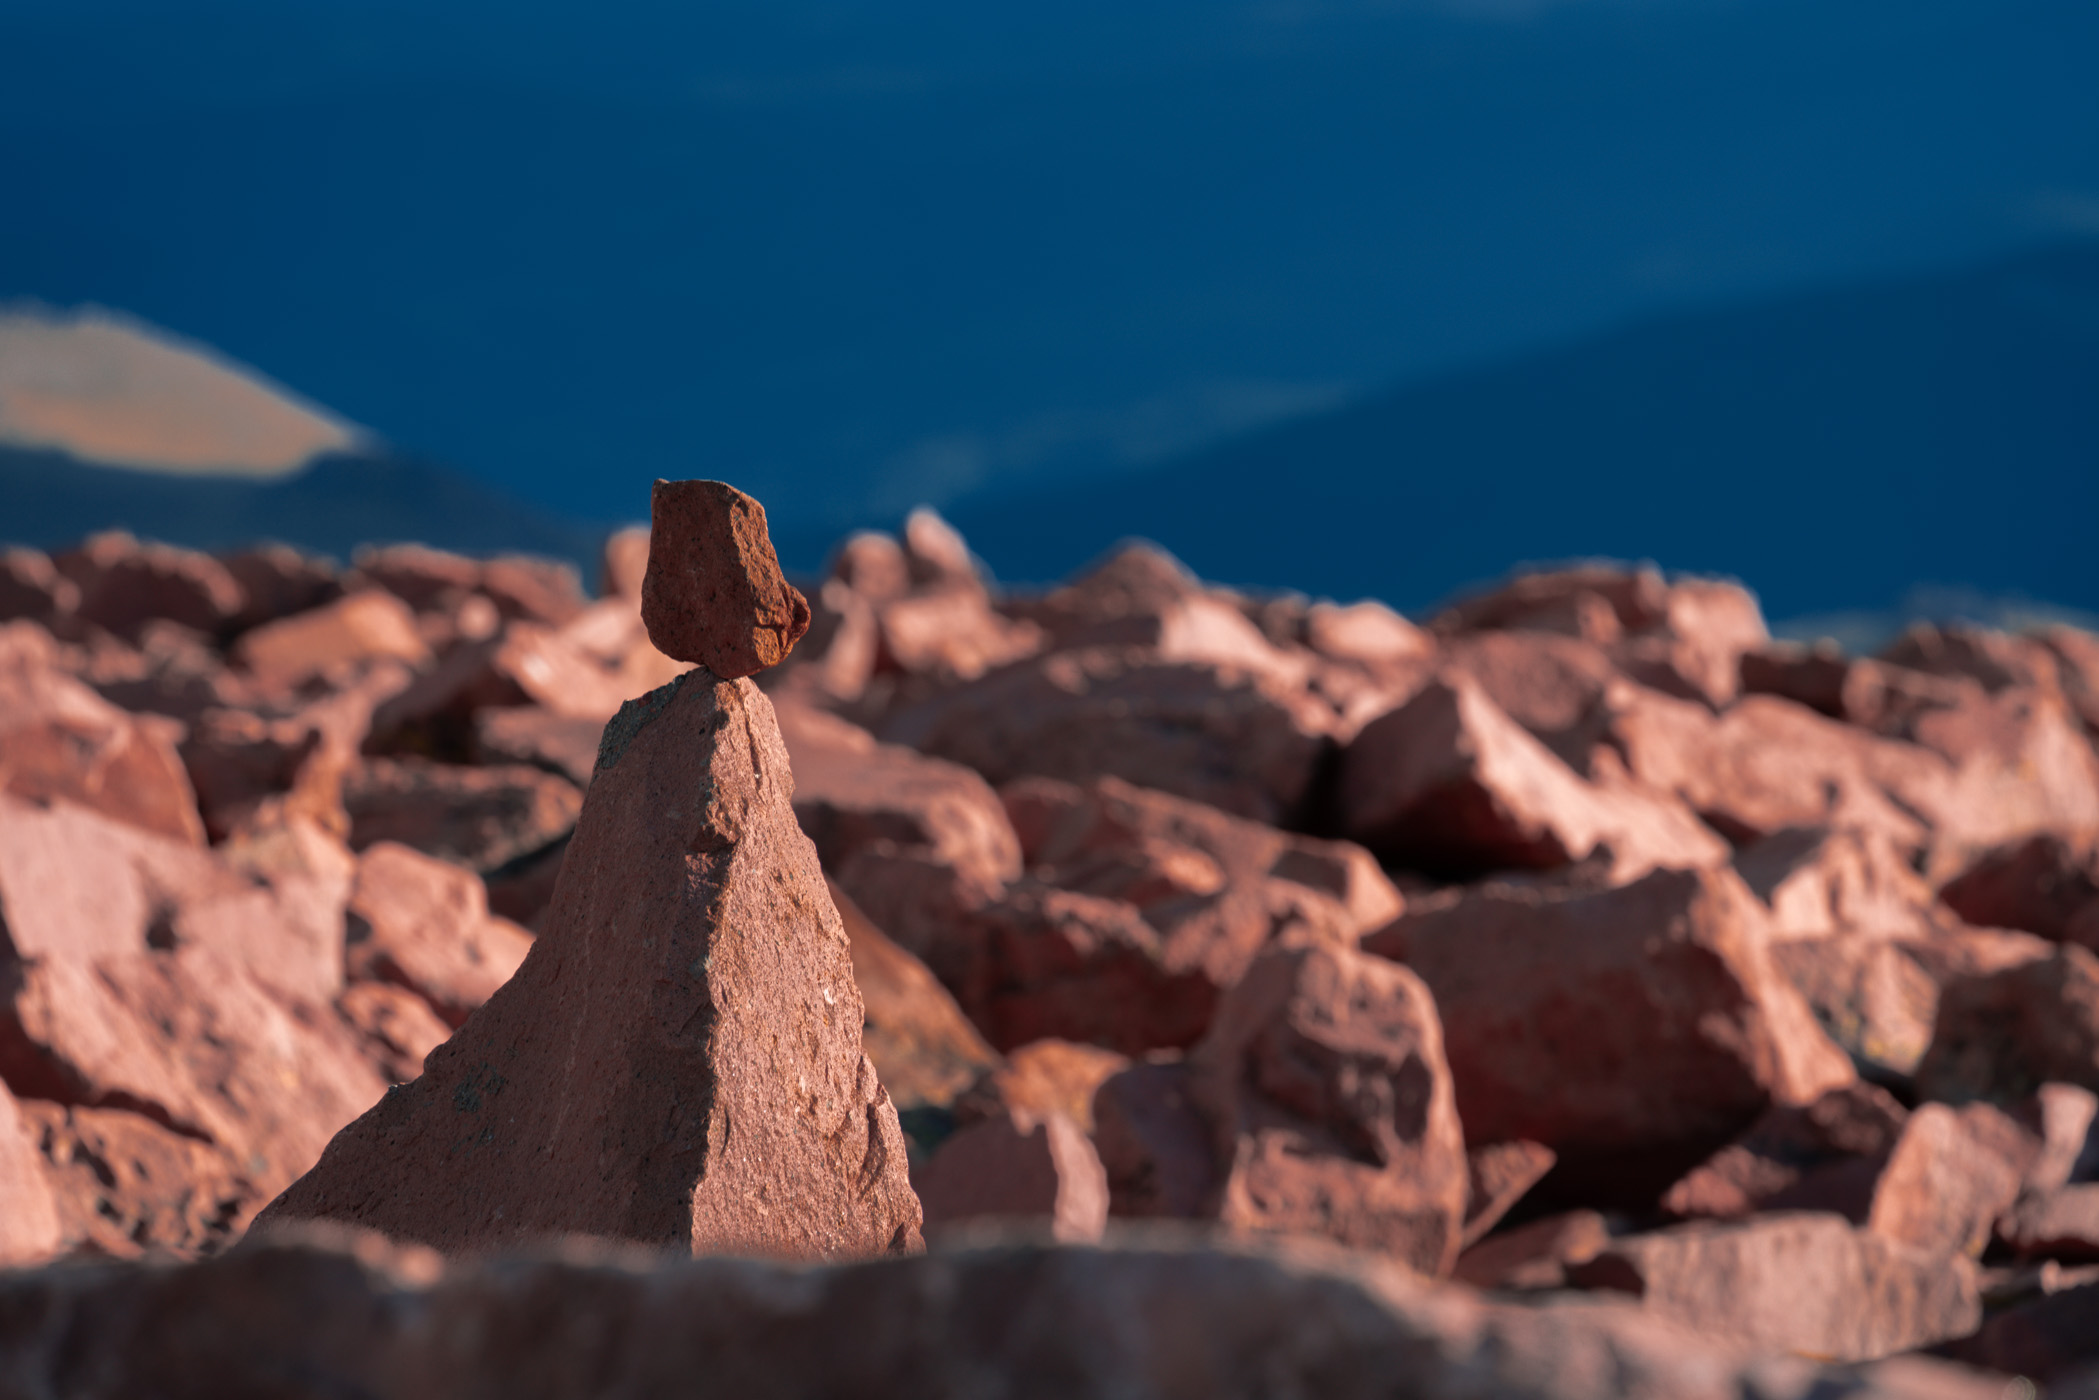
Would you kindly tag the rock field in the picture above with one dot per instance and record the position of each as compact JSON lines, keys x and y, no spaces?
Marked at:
{"x":426,"y":978}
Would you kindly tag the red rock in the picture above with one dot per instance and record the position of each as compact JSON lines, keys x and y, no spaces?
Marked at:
{"x":1995,"y":660}
{"x":564,"y":744}
{"x":1708,"y":626}
{"x":1016,"y":1166}
{"x":2003,"y":1034}
{"x":1941,"y":1188}
{"x":277,"y":580}
{"x":1802,"y":1282}
{"x":1617,"y":1026}
{"x":1871,"y":995}
{"x":2038,"y":884}
{"x":923,"y":1047}
{"x":851,"y":792}
{"x":950,"y":635}
{"x":1449,"y":782}
{"x":351,"y":631}
{"x":1324,"y":1079}
{"x":536,"y":590}
{"x":692,"y":981}
{"x":1155,"y":1145}
{"x":2077,"y":666}
{"x":61,"y":741}
{"x":2060,"y":1118}
{"x":344,"y":1315}
{"x":123,"y":1185}
{"x":1498,"y":1174}
{"x":610,"y":630}
{"x":1536,"y":1255}
{"x":523,"y":890}
{"x":1041,"y":1078}
{"x":1366,"y":632}
{"x":482,"y":818}
{"x":399,"y":1027}
{"x":172,"y":671}
{"x":526,"y":664}
{"x":936,"y":551}
{"x":1823,"y":1155}
{"x":1600,"y":601}
{"x":2048,"y":1337}
{"x":30,"y":587}
{"x":1813,"y":676}
{"x":1237,"y":739}
{"x":873,"y":565}
{"x":714,"y":592}
{"x":29,"y":1228}
{"x":2058,"y":1224}
{"x":419,"y":576}
{"x":424,"y":924}
{"x":1555,"y":687}
{"x":125,"y":583}
{"x":1817,"y":882}
{"x":624,"y":562}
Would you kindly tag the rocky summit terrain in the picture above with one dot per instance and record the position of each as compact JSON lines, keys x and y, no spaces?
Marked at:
{"x":424,"y":977}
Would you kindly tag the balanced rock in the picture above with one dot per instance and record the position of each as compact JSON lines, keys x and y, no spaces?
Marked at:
{"x":714,"y":593}
{"x":678,"y":1061}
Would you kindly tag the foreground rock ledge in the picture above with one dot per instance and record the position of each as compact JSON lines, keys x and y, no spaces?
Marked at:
{"x":678,"y":1060}
{"x":1148,"y":1317}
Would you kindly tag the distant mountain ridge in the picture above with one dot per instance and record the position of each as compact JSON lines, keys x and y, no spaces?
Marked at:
{"x":1832,"y":448}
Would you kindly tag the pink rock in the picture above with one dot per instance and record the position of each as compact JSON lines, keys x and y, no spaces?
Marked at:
{"x":348,"y":632}
{"x":125,"y":583}
{"x":277,"y":580}
{"x":624,"y":563}
{"x":419,"y":576}
{"x":1556,"y":687}
{"x":873,"y":565}
{"x":482,"y":818}
{"x":124,"y":1186}
{"x":2077,"y":666}
{"x":950,"y":635}
{"x":678,"y":1061}
{"x":1448,"y":781}
{"x":1617,"y":1026}
{"x":2059,"y":1224}
{"x":714,"y":593}
{"x":424,"y":923}
{"x":29,"y":1226}
{"x":1013,"y":1167}
{"x":1801,"y":1282}
{"x":1155,"y":1144}
{"x":1367,"y":632}
{"x":1498,"y":1175}
{"x":61,"y":741}
{"x":1325,"y":1082}
{"x":1536,"y":1255}
{"x":923,"y":1047}
{"x":1994,"y":660}
{"x":1873,"y":996}
{"x":1240,"y":739}
{"x":1823,"y":1155}
{"x":31,"y":588}
{"x":2039,"y":884}
{"x":935,"y":549}
{"x":399,"y":1028}
{"x":536,"y":590}
{"x":1813,"y":676}
{"x":2002,"y":1034}
{"x":1817,"y":882}
{"x":563,"y":744}
{"x":1942,"y":1187}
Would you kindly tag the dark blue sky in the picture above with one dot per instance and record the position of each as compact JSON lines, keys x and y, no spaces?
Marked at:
{"x":853,"y":255}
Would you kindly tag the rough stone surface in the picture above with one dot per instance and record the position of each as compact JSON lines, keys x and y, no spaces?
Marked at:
{"x":1800,"y":1282}
{"x":1873,"y":996}
{"x":1942,"y":1187}
{"x":1818,"y":881}
{"x":714,"y":593}
{"x":424,"y":924}
{"x":1017,"y":1166}
{"x":1325,"y":1083}
{"x":124,"y":1185}
{"x":353,"y":1317}
{"x":1449,"y":782}
{"x":1632,"y":1021}
{"x":60,"y":740}
{"x":678,"y":1060}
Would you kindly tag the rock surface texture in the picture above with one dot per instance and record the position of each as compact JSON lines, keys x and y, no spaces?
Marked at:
{"x":714,"y":593}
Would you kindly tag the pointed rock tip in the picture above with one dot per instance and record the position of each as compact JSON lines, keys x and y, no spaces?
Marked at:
{"x":714,"y":593}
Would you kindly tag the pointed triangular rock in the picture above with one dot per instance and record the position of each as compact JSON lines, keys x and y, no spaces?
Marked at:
{"x":678,"y":1060}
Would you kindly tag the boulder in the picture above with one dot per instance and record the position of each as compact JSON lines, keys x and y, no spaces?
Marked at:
{"x":1615,"y":1027}
{"x":2039,"y":884}
{"x":536,"y":590}
{"x":1942,"y":1186}
{"x":1822,"y":1155}
{"x":1536,"y":1255}
{"x":125,"y":583}
{"x":362,"y":627}
{"x":59,"y":740}
{"x":1325,"y":1084}
{"x":481,"y":818}
{"x":31,"y":588}
{"x":277,"y":580}
{"x":1160,"y":1318}
{"x":1819,"y":881}
{"x":124,"y":1185}
{"x":678,"y":1060}
{"x":1873,"y":996}
{"x":2059,"y":1224}
{"x":29,"y":1228}
{"x":424,"y":924}
{"x":923,"y":1047}
{"x":1498,"y":1175}
{"x":426,"y":579}
{"x":1450,"y":783}
{"x":1155,"y":1144}
{"x":1219,"y":733}
{"x":1017,"y":1167}
{"x":2002,"y":1034}
{"x":1803,"y":1282}
{"x":714,"y":593}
